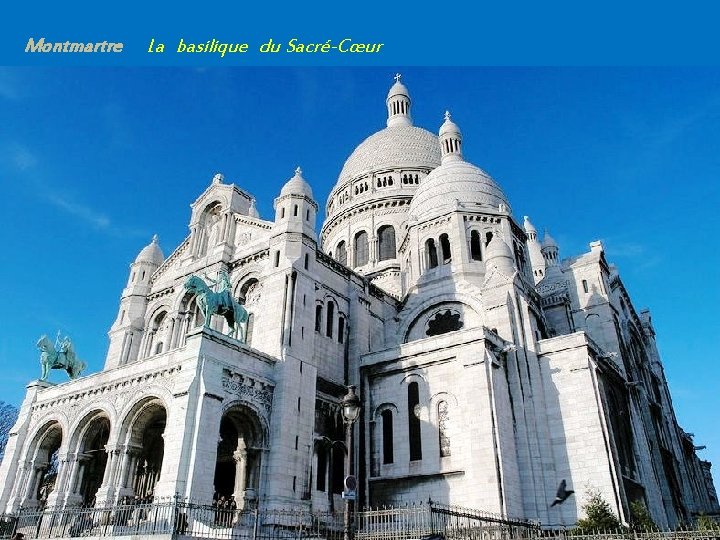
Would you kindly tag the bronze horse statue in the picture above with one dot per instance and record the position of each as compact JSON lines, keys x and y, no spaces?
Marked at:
{"x":219,"y":303}
{"x":65,"y":358}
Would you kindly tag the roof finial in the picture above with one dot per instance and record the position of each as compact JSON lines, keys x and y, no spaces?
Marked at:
{"x":218,"y":178}
{"x":298,"y":171}
{"x":397,"y":77}
{"x":447,"y":115}
{"x":155,"y":239}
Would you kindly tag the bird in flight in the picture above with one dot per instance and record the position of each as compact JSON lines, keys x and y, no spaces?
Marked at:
{"x":562,"y":493}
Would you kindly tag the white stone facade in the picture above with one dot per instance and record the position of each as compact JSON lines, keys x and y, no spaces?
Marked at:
{"x":489,"y":368}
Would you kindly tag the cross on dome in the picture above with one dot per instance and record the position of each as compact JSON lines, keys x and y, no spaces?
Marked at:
{"x":397,"y":77}
{"x":447,"y":115}
{"x":298,"y":171}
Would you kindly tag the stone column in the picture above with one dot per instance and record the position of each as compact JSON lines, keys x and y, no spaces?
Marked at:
{"x":106,"y":492}
{"x":128,"y":457}
{"x":22,"y":478}
{"x":241,"y":460}
{"x":65,"y":463}
{"x":186,"y":328}
{"x":29,"y":498}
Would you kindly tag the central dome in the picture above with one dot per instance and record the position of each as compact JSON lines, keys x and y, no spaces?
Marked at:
{"x":392,"y":147}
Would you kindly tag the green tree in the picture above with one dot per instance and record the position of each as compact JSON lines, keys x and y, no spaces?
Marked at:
{"x":641,"y":518}
{"x":599,"y":517}
{"x":8,"y":415}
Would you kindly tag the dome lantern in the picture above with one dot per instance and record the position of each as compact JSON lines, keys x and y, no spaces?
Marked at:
{"x":450,"y":140}
{"x":398,"y":104}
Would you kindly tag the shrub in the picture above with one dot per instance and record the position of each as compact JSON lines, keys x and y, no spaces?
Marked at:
{"x":599,"y":517}
{"x":641,"y":518}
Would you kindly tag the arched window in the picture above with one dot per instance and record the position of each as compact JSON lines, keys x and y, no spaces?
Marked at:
{"x":341,"y":329}
{"x":361,"y":249}
{"x":443,"y":421}
{"x":414,"y":422}
{"x":488,"y":237}
{"x":341,"y":253}
{"x":386,"y":243}
{"x":431,"y":250}
{"x":318,"y":318}
{"x":387,"y":434}
{"x":330,"y":319}
{"x":475,"y":253}
{"x":445,"y":246}
{"x":321,"y":468}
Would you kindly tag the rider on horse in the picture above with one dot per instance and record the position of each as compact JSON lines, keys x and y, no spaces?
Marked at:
{"x":223,"y":286}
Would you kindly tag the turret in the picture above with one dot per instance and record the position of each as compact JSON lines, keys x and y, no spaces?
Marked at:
{"x":398,"y":104}
{"x":450,"y":141}
{"x":126,"y":331}
{"x":295,"y":207}
{"x":537,"y":261}
{"x":550,"y":252}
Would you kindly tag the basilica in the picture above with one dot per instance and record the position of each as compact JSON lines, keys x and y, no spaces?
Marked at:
{"x":490,"y":368}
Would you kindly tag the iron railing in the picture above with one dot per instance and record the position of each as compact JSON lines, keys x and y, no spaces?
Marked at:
{"x":178,"y":518}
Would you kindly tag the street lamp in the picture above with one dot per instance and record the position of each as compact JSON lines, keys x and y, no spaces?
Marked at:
{"x":350,"y":411}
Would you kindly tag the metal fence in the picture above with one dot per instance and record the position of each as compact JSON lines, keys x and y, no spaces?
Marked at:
{"x":177,"y":519}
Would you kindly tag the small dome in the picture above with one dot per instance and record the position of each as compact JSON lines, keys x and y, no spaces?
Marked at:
{"x":456,"y":183}
{"x":398,"y":89}
{"x":151,"y":253}
{"x":449,"y":127}
{"x":528,"y":226}
{"x":297,"y":186}
{"x":549,"y":241}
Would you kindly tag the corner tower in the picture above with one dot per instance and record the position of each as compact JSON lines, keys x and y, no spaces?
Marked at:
{"x":127,"y":329}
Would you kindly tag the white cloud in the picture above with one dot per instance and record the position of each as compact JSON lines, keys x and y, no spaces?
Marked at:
{"x":79,"y":210}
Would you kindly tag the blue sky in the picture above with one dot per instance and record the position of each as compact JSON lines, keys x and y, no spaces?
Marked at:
{"x":94,"y":161}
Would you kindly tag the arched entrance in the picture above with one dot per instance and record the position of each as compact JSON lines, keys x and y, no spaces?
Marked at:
{"x":93,"y":458}
{"x":239,"y":455}
{"x":146,"y":439}
{"x":39,"y":479}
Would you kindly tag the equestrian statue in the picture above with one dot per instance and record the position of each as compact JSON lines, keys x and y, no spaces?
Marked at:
{"x":59,"y":356}
{"x":219,"y":303}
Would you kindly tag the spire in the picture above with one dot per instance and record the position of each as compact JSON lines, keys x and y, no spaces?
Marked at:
{"x":450,"y":140}
{"x":398,"y":104}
